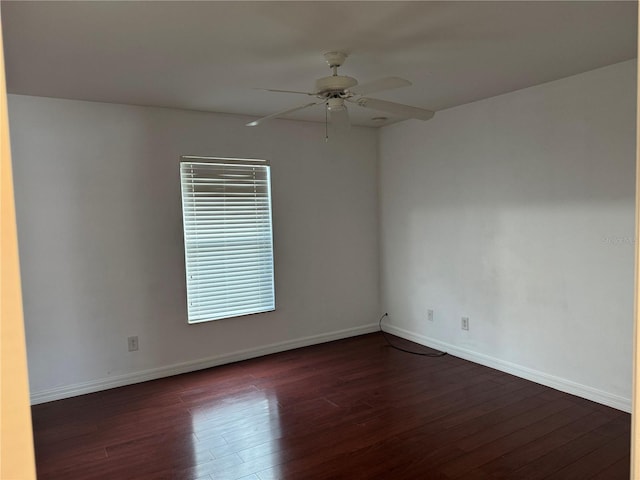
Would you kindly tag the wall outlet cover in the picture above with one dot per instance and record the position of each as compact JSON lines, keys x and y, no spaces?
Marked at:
{"x":132,"y":343}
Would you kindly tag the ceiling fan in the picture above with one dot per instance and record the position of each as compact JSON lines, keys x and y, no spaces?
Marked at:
{"x":335,"y":89}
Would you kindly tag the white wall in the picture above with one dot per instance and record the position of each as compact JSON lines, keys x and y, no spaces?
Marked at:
{"x":518,"y":212}
{"x":100,"y":231}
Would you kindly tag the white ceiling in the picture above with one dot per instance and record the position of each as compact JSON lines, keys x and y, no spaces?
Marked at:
{"x":212,"y":55}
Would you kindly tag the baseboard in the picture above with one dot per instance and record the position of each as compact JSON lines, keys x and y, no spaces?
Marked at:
{"x":68,"y":391}
{"x":562,"y":384}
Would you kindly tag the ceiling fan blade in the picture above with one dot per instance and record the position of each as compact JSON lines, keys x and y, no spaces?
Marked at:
{"x":285,"y":91}
{"x":340,"y":119}
{"x":379,"y":85}
{"x":394,"y":108}
{"x":280,"y":114}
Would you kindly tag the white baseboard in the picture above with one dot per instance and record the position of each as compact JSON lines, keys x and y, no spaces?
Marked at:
{"x":91,"y":386}
{"x":562,"y":384}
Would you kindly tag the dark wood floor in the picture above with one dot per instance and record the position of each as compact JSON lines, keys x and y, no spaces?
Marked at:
{"x":351,"y":409}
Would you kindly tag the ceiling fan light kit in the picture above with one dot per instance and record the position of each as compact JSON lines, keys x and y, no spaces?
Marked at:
{"x":335,"y":104}
{"x":334,"y":90}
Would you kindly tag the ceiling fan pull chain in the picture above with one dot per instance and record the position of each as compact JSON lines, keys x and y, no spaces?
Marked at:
{"x":326,"y":123}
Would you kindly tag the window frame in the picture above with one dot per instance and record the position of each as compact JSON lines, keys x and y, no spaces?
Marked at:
{"x":263,"y":275}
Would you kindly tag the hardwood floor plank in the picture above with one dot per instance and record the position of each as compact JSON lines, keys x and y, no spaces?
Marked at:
{"x":504,"y":466}
{"x":618,"y":470}
{"x":562,"y":456}
{"x":595,"y":461}
{"x":510,"y":442}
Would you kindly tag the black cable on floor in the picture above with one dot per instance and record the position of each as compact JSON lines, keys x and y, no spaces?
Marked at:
{"x":424,"y":354}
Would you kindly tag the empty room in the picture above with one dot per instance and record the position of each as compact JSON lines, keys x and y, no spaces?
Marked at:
{"x":325,"y":240}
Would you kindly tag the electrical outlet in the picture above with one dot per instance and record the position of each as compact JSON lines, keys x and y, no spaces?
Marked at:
{"x":133,"y":343}
{"x":430,"y":315}
{"x":465,"y":323}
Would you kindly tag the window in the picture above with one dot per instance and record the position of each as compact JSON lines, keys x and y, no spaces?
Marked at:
{"x":226,"y":211}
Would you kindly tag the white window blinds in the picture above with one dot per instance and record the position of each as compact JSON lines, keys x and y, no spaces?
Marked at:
{"x":226,"y":210}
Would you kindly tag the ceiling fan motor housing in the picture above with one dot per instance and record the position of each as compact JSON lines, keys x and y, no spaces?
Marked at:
{"x":335,"y":84}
